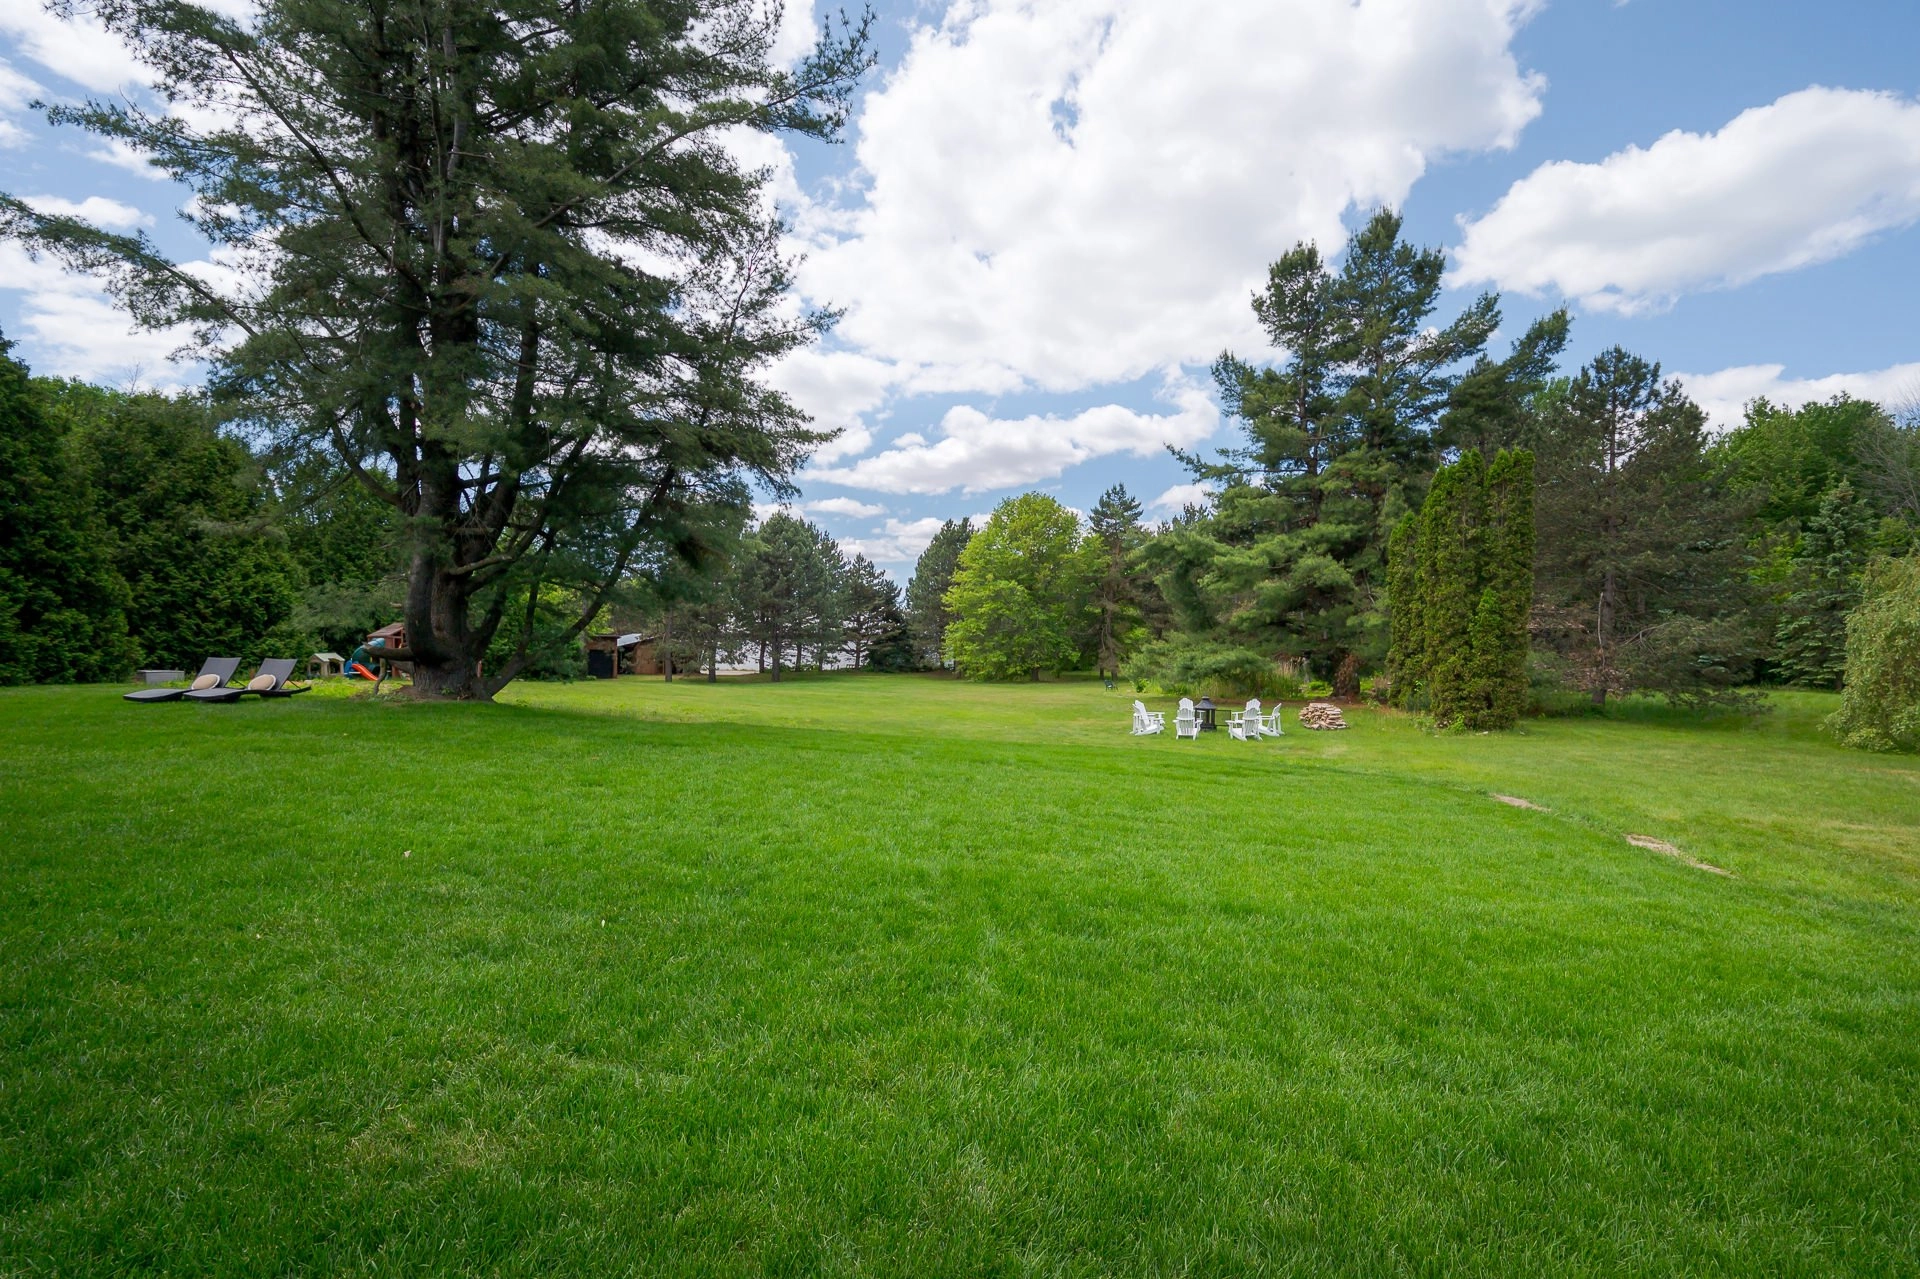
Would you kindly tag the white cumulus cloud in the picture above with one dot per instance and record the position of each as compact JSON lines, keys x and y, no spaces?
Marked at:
{"x":81,"y":50}
{"x":1725,"y":395}
{"x":978,"y":453}
{"x":16,"y":90}
{"x":1803,"y":180}
{"x":1180,"y":496}
{"x":895,"y":542}
{"x":1084,"y":191}
{"x":97,"y":209}
{"x":843,"y":506}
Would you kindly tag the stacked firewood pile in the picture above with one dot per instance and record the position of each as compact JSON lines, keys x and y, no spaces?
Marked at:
{"x":1322,"y":715}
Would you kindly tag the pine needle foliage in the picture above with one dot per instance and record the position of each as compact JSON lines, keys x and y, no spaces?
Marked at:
{"x":500,"y":263}
{"x":1460,"y":584}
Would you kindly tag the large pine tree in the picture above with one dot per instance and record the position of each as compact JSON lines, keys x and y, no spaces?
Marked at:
{"x":927,"y":614}
{"x":1120,"y":590}
{"x":1291,"y":559}
{"x":519,"y":284}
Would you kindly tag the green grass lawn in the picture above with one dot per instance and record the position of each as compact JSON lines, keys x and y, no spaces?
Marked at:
{"x":897,"y":976}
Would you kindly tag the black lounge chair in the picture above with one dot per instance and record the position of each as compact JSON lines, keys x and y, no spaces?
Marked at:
{"x":218,"y":669}
{"x":269,"y":681}
{"x":279,"y":670}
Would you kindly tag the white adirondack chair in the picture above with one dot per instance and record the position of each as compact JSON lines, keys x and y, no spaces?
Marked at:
{"x":1270,"y":722}
{"x":1146,"y":721}
{"x":1186,"y":723}
{"x":1245,"y":725}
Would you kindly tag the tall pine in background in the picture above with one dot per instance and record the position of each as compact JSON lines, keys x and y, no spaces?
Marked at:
{"x":1644,"y":562}
{"x":1291,"y":560}
{"x":927,"y":613}
{"x":1120,"y":590}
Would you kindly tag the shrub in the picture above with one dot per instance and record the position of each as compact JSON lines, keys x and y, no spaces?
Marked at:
{"x":1880,"y":705}
{"x":1188,"y":666}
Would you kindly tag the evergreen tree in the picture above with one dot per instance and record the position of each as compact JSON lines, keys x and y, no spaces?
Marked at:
{"x":781,"y":581}
{"x":520,"y":286}
{"x":829,"y":581}
{"x":62,"y":604}
{"x":1811,"y":636}
{"x":927,"y":613}
{"x":893,"y":650}
{"x":1120,"y":590}
{"x":1501,"y":624}
{"x":1291,"y":559}
{"x":190,"y":526}
{"x":1452,"y":525}
{"x":1397,"y":364}
{"x":1020,"y":591}
{"x":1461,"y":585}
{"x":1644,"y":572}
{"x":1406,"y":654}
{"x":873,"y":609}
{"x":1495,"y":405}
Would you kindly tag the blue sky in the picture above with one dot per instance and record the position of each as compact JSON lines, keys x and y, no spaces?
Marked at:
{"x":1048,"y":215}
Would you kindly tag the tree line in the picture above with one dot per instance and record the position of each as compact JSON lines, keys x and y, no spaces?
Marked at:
{"x":784,"y":598}
{"x":133,"y":532}
{"x":1363,"y":528}
{"x":520,"y":346}
{"x":1466,"y":532}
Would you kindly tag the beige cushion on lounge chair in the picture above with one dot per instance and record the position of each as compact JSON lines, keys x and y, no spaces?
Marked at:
{"x":261,"y":683}
{"x":206,"y":681}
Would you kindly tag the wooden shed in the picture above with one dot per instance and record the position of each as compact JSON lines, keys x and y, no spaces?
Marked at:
{"x":611,"y":655}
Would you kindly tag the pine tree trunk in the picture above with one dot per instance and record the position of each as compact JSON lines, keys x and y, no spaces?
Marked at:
{"x":1603,"y":637}
{"x":438,"y":642}
{"x":1346,"y":677}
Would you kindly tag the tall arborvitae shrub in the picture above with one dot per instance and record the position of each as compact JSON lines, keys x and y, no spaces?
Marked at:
{"x":1451,"y":522}
{"x":1406,"y":629}
{"x":1460,"y":587}
{"x":1500,"y":638}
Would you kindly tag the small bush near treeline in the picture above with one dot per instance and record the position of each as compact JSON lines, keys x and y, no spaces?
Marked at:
{"x":1880,"y":706}
{"x":1187,"y":667}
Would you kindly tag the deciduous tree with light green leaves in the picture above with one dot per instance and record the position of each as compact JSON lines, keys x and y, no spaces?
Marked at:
{"x":1880,"y":706}
{"x":1019,"y":595}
